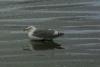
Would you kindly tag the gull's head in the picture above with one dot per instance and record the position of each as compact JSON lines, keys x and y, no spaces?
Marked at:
{"x":30,"y":28}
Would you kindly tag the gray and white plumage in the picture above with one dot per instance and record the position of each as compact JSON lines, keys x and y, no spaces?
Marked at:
{"x":42,"y":34}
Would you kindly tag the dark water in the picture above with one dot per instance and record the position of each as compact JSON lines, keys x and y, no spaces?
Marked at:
{"x":78,"y":19}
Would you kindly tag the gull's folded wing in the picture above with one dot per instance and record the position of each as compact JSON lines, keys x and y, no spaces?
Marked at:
{"x":42,"y":33}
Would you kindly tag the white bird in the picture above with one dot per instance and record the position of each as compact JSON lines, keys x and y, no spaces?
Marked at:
{"x":42,"y":34}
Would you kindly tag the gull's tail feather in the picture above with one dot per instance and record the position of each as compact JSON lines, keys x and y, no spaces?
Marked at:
{"x":60,"y":34}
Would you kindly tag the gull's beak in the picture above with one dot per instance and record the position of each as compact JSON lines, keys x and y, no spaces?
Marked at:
{"x":25,"y":29}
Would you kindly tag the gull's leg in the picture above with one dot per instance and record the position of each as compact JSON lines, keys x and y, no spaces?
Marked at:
{"x":28,"y":47}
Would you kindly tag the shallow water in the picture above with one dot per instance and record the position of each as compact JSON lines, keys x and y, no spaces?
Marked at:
{"x":78,"y":19}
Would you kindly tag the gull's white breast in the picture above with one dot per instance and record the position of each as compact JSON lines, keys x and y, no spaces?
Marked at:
{"x":31,"y":36}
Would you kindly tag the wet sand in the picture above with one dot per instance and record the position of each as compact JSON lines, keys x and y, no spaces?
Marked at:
{"x":78,"y":19}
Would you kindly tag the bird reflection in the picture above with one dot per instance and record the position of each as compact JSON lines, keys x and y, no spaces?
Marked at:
{"x":44,"y":45}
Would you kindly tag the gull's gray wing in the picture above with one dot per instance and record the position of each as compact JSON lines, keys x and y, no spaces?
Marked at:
{"x":43,"y":33}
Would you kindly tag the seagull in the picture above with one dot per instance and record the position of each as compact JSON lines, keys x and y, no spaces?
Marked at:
{"x":42,"y":34}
